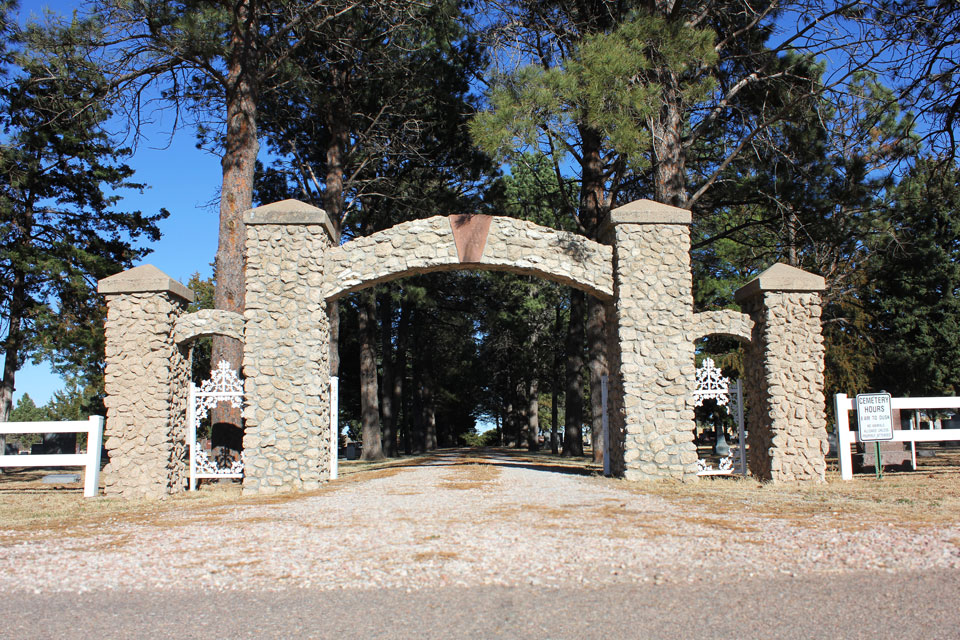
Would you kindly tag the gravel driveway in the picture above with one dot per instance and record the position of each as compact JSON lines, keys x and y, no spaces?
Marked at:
{"x":451,"y":522}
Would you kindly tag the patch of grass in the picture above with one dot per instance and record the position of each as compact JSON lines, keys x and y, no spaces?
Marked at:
{"x":929,"y":496}
{"x":29,"y":506}
{"x":427,"y":556}
{"x":472,"y":475}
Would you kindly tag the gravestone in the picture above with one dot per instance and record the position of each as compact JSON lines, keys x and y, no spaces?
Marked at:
{"x":58,"y":443}
{"x":60,"y":478}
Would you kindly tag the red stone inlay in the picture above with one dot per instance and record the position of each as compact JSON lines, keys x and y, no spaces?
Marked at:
{"x":470,"y":235}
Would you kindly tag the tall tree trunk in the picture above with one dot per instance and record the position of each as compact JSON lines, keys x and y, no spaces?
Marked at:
{"x":533,"y":414}
{"x":792,"y":223}
{"x":593,"y":208}
{"x":338,"y":123}
{"x":429,"y":411}
{"x":508,"y":425}
{"x":11,"y":350}
{"x":521,"y":406}
{"x":418,"y":438}
{"x":573,"y":433}
{"x":369,"y":409}
{"x":597,"y":354}
{"x":669,"y":168}
{"x":236,"y":196}
{"x":400,"y":371}
{"x":387,"y":412}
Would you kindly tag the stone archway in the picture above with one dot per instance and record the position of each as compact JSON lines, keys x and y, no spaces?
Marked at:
{"x":480,"y":242}
{"x":641,"y":273}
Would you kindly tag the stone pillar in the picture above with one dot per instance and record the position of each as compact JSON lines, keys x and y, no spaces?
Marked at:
{"x":651,"y":408}
{"x":286,"y":355}
{"x":786,"y":418}
{"x":146,"y":379}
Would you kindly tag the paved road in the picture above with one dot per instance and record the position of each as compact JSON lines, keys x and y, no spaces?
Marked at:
{"x":896,"y":605}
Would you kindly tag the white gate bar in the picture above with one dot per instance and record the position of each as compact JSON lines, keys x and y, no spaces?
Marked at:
{"x":740,"y":430}
{"x":44,"y":459}
{"x":90,"y":460}
{"x":334,"y":427}
{"x":845,"y":437}
{"x":933,"y":435}
{"x":192,"y":435}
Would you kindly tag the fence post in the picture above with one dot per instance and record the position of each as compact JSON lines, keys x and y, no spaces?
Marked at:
{"x":91,"y":479}
{"x":844,"y":439}
{"x":334,"y":427}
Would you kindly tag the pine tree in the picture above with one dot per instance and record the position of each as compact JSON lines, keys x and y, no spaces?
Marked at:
{"x":914,"y":287}
{"x":59,"y":231}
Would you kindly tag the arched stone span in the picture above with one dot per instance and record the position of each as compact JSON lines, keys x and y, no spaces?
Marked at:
{"x":725,"y":322}
{"x":208,"y":322}
{"x":492,"y":243}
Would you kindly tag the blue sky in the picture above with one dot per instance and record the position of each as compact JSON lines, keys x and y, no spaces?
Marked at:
{"x":180,"y":178}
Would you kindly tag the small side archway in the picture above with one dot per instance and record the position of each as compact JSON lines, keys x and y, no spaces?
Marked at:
{"x":207,"y":323}
{"x":724,"y":322}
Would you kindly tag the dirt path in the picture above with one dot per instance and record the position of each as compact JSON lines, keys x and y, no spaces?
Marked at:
{"x":461,"y":520}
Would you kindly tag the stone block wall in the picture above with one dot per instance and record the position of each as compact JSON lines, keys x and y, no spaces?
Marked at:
{"x":787,"y":435}
{"x":286,"y":358}
{"x":653,"y":309}
{"x":146,"y":381}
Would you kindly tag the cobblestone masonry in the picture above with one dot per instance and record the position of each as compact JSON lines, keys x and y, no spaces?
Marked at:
{"x":146,"y":382}
{"x":286,"y":357}
{"x":725,"y":322}
{"x":293,"y":270}
{"x":653,"y":310}
{"x":208,"y":322}
{"x":422,"y":246}
{"x":786,"y":420}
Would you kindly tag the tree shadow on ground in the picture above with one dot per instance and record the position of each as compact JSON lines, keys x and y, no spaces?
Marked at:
{"x":493,"y":456}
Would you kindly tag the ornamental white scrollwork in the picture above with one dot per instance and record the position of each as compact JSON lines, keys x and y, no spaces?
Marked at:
{"x":222,"y":385}
{"x":725,"y":467}
{"x":711,"y":385}
{"x":206,"y":465}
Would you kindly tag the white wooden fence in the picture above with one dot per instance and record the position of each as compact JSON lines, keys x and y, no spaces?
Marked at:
{"x":89,"y":460}
{"x":334,"y":427}
{"x":845,"y":437}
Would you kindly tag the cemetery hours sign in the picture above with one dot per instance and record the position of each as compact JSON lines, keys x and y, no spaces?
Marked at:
{"x":874,"y":417}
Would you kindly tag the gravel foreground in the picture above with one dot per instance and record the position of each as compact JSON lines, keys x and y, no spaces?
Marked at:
{"x":450,"y":522}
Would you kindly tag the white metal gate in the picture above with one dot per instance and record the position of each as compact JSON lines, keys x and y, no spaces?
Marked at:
{"x":713,"y":385}
{"x":223,"y":386}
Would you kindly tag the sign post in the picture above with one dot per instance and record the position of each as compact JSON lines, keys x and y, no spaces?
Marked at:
{"x":874,"y":421}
